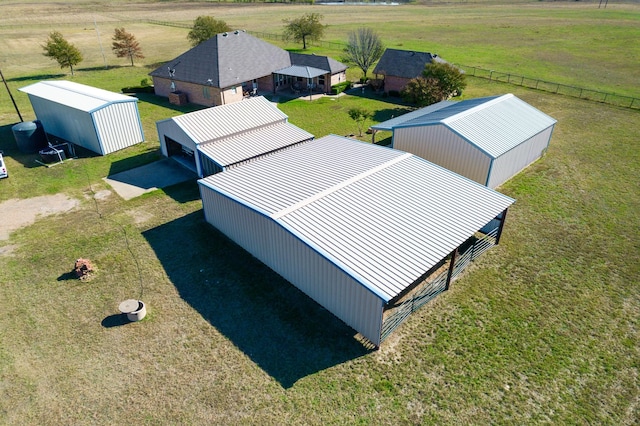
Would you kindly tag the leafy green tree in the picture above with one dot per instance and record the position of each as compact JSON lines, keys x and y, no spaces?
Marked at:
{"x":359,"y":115}
{"x":205,"y":27}
{"x":451,"y":79}
{"x":364,"y":48}
{"x":305,"y":28}
{"x":439,"y":81}
{"x":56,"y":47}
{"x":125,"y":45}
{"x":422,"y":91}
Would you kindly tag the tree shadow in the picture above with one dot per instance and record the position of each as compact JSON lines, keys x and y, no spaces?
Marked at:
{"x":281,"y":329}
{"x":37,"y":77}
{"x":164,"y":102}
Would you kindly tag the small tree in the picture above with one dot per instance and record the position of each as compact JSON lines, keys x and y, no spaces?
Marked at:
{"x":205,"y":27}
{"x":56,"y":47}
{"x":422,"y":91}
{"x":306,"y":27}
{"x":363,"y":49}
{"x":125,"y":45}
{"x":451,"y":79}
{"x":359,"y":115}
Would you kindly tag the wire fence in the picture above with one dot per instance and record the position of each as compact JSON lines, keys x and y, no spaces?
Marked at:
{"x":548,"y":86}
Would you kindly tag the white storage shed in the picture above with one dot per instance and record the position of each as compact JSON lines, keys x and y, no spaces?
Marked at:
{"x":96,"y":119}
{"x":218,"y":138}
{"x":488,"y":140}
{"x":351,"y":224}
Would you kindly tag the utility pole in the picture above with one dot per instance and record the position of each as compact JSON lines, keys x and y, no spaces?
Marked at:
{"x":11,"y":96}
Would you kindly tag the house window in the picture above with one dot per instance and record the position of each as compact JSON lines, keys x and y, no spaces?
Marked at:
{"x":205,"y":92}
{"x":234,"y":90}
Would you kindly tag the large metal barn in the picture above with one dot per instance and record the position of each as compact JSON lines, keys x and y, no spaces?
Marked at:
{"x":355,"y":226}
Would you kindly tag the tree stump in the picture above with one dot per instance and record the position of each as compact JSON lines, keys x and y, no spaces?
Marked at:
{"x":83,"y":268}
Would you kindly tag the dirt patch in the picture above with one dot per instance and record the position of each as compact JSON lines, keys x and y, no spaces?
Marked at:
{"x":19,"y":213}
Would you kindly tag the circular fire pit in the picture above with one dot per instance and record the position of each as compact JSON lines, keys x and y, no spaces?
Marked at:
{"x":135,"y":309}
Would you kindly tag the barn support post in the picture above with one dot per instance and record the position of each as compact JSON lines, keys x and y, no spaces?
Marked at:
{"x":451,"y":266}
{"x":504,"y":218}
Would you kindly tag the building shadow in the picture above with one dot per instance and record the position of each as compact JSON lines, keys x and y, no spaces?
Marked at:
{"x":281,"y":329}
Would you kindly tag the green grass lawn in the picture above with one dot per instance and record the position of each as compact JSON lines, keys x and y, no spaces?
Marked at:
{"x":542,"y":329}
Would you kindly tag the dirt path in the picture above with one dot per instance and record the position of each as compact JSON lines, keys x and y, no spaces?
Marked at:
{"x":14,"y":213}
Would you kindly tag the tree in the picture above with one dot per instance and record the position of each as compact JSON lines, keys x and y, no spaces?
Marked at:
{"x":422,"y":91}
{"x":363,"y":49}
{"x":439,"y":81}
{"x":451,"y":79}
{"x":359,"y":115}
{"x":205,"y":27}
{"x":125,"y":45}
{"x":56,"y":47}
{"x":306,"y":27}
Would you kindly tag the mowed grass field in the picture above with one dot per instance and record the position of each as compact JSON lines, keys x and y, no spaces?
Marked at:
{"x":542,"y":329}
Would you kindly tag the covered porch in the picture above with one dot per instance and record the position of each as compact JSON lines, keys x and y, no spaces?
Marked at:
{"x":301,"y":80}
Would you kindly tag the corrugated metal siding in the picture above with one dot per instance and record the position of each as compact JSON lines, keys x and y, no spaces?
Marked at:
{"x":510,"y":163}
{"x":67,"y":123}
{"x":228,"y":120}
{"x":169,"y":128}
{"x":296,"y":262}
{"x":254,"y":143}
{"x":385,"y":229}
{"x":438,"y":144}
{"x":118,"y":126}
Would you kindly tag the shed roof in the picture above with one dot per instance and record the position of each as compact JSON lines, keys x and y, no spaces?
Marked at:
{"x":251,"y":144}
{"x":494,"y":124}
{"x":228,"y":120}
{"x":383,"y":216}
{"x":404,"y":63}
{"x":401,"y":119}
{"x":75,"y":95}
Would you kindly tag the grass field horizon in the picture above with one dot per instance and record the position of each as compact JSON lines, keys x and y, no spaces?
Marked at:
{"x":544,"y":328}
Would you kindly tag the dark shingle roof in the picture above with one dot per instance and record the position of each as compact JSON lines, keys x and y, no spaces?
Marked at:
{"x":225,"y":60}
{"x":404,"y":63}
{"x":315,"y":61}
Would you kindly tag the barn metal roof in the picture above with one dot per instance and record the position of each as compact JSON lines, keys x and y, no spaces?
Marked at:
{"x":493,"y":124}
{"x":75,"y":95}
{"x":383,"y":216}
{"x":228,"y":120}
{"x":251,"y":144}
{"x":401,"y":119}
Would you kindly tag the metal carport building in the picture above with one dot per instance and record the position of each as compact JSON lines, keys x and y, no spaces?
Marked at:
{"x":96,"y":119}
{"x":219,"y":138}
{"x":488,"y":140}
{"x":352,"y":225}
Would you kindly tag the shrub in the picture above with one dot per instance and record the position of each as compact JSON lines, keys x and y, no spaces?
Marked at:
{"x":340,"y":87}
